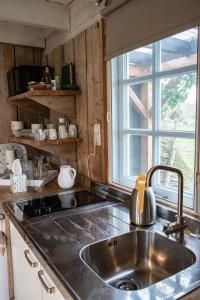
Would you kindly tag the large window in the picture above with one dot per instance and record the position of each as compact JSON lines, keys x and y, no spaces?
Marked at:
{"x":154,"y":113}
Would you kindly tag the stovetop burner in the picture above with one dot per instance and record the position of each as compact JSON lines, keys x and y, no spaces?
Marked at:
{"x":47,"y":205}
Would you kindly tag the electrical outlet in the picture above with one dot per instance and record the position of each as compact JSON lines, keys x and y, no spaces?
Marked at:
{"x":97,"y":135}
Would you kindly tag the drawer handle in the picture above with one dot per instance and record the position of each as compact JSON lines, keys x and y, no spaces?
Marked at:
{"x":49,"y":290}
{"x":33,"y":264}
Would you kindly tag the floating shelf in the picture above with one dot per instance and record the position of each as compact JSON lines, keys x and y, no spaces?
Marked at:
{"x":43,"y":93}
{"x":33,"y":143}
{"x":42,"y":100}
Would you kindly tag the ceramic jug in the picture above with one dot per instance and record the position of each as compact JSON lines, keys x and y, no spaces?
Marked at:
{"x":66,"y":177}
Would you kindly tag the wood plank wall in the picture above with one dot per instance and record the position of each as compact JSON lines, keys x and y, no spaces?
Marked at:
{"x":86,"y":50}
{"x":11,"y":56}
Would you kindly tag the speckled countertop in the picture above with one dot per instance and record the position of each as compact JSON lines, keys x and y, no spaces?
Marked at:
{"x":59,"y":238}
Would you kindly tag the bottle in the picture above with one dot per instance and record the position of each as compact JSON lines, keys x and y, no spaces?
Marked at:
{"x":46,"y":77}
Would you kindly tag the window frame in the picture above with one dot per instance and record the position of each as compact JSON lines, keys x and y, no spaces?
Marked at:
{"x":119,"y":84}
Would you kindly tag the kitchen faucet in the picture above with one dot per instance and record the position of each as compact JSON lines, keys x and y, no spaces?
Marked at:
{"x":179,"y":225}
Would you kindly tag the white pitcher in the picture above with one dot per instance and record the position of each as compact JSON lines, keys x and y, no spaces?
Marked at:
{"x":66,"y":177}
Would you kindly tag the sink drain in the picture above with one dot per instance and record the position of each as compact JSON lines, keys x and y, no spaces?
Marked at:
{"x":127,"y":285}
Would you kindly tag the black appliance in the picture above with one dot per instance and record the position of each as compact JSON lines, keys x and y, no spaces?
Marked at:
{"x":51,"y":204}
{"x":68,"y":76}
{"x":19,"y":77}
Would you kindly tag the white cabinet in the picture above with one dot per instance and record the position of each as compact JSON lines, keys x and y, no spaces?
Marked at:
{"x":3,"y":266}
{"x":25,"y":269}
{"x":31,"y":282}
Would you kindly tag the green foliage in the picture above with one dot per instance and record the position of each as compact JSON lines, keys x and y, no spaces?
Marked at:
{"x":174,"y":91}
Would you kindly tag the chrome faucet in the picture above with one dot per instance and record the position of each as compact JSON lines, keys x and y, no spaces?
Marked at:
{"x":179,"y":225}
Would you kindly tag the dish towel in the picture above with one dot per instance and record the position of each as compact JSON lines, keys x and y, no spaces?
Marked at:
{"x":3,"y":243}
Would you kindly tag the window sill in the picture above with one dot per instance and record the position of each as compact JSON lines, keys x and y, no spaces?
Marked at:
{"x":159,"y":200}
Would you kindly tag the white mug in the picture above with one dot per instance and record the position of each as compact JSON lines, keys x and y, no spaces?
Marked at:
{"x":17,"y":125}
{"x":35,"y":126}
{"x":62,"y":132}
{"x":39,"y":135}
{"x":72,"y":130}
{"x":52,"y":134}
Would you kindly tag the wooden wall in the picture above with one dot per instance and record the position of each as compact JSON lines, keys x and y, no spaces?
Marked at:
{"x":11,"y":56}
{"x":86,"y":50}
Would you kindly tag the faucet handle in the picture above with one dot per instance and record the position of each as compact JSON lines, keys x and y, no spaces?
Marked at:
{"x":166,"y":228}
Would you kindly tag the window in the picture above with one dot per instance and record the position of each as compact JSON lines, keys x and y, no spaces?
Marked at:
{"x":154,"y":113}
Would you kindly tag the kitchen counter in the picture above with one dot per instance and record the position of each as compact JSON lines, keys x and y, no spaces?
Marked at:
{"x":58,"y":239}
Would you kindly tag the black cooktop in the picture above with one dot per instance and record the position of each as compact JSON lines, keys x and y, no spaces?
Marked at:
{"x":47,"y":205}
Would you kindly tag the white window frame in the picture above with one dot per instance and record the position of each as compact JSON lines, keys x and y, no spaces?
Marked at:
{"x":119,"y":131}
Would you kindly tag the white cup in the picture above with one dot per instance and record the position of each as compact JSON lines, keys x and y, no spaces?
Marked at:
{"x":39,"y":135}
{"x":62,"y":132}
{"x":52,"y":134}
{"x":72,"y":130}
{"x":35,"y":126}
{"x":17,"y":125}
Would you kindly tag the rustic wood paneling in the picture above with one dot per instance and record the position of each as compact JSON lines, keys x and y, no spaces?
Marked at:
{"x":7,"y":112}
{"x":56,"y":61}
{"x":37,"y":56}
{"x":69,"y":52}
{"x":81,"y":101}
{"x":24,"y":55}
{"x":96,"y":99}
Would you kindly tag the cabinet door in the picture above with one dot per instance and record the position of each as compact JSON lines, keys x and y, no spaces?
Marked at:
{"x":3,"y":266}
{"x":27,"y":286}
{"x":49,"y":291}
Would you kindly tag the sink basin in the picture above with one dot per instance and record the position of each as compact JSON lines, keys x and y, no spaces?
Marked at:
{"x":136,"y":260}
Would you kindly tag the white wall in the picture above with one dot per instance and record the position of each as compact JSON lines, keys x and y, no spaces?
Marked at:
{"x":77,"y":16}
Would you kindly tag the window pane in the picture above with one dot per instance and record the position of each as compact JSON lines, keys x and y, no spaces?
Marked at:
{"x":140,"y":62}
{"x":178,"y":102}
{"x":140,"y":105}
{"x":179,"y":153}
{"x":139,"y":155}
{"x":179,"y":50}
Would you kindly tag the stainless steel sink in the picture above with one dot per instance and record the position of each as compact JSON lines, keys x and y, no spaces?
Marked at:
{"x":137,"y":259}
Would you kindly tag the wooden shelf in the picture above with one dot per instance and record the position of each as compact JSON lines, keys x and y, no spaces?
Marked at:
{"x":33,"y":143}
{"x":44,"y":93}
{"x":61,"y":101}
